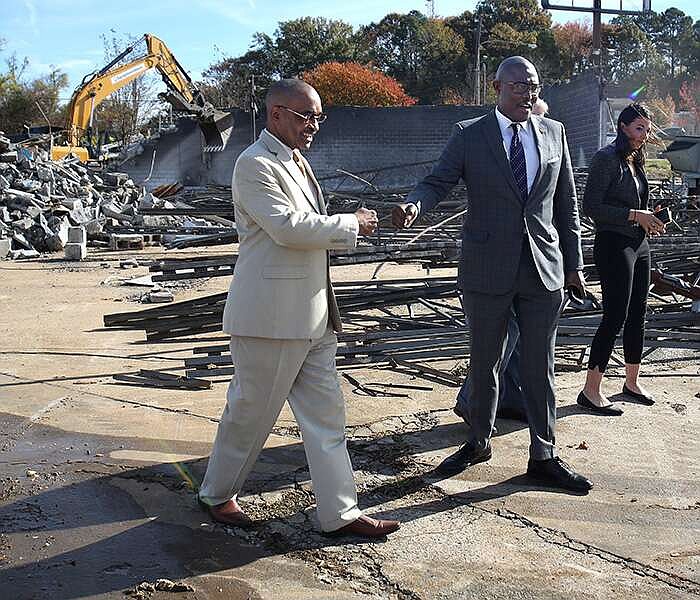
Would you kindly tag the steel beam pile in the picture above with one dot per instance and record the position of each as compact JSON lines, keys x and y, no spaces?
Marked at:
{"x":414,"y":325}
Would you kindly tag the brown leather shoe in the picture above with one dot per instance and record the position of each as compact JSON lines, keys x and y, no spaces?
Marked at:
{"x":365,"y":526}
{"x":228,"y":513}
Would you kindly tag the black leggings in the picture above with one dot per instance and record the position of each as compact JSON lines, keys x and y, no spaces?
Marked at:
{"x":624,"y":268}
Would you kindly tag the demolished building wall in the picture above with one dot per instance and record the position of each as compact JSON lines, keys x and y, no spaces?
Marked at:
{"x":359,"y":139}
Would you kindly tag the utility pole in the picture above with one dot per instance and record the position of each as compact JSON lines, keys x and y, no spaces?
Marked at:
{"x":430,"y":5}
{"x":253,"y":107}
{"x":477,"y":62}
{"x":597,"y":26}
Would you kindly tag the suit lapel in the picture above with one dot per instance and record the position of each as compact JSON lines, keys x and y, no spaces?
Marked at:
{"x":319,"y":193}
{"x":273,"y":146}
{"x":540,"y":133}
{"x":492,"y":132}
{"x":301,"y":181}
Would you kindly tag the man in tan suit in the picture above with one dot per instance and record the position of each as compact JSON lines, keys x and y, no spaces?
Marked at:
{"x":282,"y":315}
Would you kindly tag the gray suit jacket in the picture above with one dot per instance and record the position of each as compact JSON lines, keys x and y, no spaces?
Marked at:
{"x":496,"y":223}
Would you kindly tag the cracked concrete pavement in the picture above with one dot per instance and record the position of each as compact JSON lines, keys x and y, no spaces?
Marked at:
{"x":96,"y":478}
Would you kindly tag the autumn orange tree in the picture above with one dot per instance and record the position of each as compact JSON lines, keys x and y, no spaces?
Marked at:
{"x":351,"y":84}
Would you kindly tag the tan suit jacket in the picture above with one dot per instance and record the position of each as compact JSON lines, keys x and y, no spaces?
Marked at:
{"x":281,"y":286}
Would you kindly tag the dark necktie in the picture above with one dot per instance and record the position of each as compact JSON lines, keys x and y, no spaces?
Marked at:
{"x":296,"y":155}
{"x":517,"y":163}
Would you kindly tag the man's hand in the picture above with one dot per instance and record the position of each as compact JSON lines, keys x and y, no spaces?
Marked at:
{"x":574,"y":280}
{"x":367,"y":220}
{"x":403,"y":215}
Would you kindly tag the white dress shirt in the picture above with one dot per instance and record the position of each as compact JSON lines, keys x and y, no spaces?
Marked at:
{"x":527,"y":139}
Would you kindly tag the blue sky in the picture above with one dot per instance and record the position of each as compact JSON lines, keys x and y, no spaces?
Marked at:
{"x":66,"y":33}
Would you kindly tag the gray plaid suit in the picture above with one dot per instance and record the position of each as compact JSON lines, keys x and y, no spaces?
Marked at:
{"x":512,"y":255}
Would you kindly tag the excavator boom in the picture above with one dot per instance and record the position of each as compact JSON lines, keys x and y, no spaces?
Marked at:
{"x":181,"y":93}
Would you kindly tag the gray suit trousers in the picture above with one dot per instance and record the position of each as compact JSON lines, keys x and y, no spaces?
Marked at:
{"x":537,"y":310}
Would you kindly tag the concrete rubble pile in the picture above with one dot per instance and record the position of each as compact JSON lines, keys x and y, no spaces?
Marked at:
{"x":42,"y":201}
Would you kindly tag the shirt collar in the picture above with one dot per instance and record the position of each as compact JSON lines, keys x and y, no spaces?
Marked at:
{"x":504,"y":123}
{"x":288,"y":151}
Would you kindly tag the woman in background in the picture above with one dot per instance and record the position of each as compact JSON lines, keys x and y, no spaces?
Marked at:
{"x":617,"y":199}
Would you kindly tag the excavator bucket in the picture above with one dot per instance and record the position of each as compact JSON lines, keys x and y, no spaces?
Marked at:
{"x":216,"y":129}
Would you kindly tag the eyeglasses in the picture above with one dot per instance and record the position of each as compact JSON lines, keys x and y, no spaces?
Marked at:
{"x":523,"y":87}
{"x":307,"y":116}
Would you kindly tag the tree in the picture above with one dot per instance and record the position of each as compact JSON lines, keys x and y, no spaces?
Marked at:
{"x":574,"y":42}
{"x":302,"y":44}
{"x":24,"y":103}
{"x":297,"y":46}
{"x":514,"y":27}
{"x":631,"y":57}
{"x":662,"y":109}
{"x":227,"y":83}
{"x":689,"y":94}
{"x":351,"y":84}
{"x":425,"y":55}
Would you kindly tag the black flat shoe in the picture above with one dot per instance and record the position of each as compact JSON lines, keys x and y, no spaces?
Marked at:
{"x":612,"y":411}
{"x":642,"y":398}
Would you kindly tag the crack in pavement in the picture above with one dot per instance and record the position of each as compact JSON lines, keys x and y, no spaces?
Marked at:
{"x":561,"y":538}
{"x":379,"y":442}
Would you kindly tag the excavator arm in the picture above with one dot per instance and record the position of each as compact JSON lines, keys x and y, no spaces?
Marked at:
{"x":182,"y":94}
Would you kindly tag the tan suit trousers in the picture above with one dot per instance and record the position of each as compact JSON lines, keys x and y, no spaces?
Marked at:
{"x":268,"y":372}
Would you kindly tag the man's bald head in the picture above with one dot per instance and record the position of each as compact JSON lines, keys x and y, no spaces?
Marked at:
{"x":517,"y":85}
{"x":512,"y":67}
{"x":293,"y":112}
{"x":285,"y":91}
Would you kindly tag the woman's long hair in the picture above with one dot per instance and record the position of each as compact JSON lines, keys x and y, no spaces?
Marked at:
{"x":622,"y":143}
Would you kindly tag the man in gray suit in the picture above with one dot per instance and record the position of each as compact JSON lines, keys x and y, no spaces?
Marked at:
{"x":520,"y":247}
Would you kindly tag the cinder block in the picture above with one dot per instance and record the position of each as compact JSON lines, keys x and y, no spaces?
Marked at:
{"x":77,"y":235}
{"x":75,"y":251}
{"x":5,"y":247}
{"x":126,"y":241}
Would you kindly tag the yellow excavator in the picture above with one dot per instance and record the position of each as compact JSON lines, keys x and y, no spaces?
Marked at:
{"x":182,"y":94}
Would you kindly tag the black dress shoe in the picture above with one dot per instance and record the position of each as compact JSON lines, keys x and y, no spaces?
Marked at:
{"x":643,"y":398}
{"x":554,"y":472}
{"x":465,"y":457}
{"x":582,"y":400}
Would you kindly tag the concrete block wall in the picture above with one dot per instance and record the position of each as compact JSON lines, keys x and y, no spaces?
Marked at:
{"x":577,"y":104}
{"x":355,"y":139}
{"x":178,"y":158}
{"x":359,"y":139}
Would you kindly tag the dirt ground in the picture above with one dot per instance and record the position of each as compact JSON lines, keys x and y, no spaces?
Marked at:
{"x":96,"y":476}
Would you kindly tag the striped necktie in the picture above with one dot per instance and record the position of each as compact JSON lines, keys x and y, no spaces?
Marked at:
{"x":517,"y":163}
